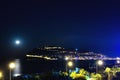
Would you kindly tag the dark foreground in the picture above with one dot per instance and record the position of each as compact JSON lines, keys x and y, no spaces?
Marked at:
{"x":58,"y":76}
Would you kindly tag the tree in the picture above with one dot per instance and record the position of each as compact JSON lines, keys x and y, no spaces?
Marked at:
{"x":96,"y":76}
{"x":82,"y":75}
{"x":108,"y":71}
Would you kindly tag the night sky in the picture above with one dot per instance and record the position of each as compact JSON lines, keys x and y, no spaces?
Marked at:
{"x":84,"y":24}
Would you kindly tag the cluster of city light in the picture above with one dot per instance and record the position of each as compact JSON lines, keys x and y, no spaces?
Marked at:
{"x":70,"y":54}
{"x":73,"y":57}
{"x":53,"y":48}
{"x":43,"y":57}
{"x":49,"y":58}
{"x":118,"y":60}
{"x":37,"y":56}
{"x":89,"y":58}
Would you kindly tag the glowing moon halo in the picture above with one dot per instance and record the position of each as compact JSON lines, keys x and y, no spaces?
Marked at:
{"x":17,"y":42}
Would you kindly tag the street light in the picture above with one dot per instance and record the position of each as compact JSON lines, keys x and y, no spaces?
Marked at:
{"x":11,"y":66}
{"x":99,"y":63}
{"x":69,"y":64}
{"x":1,"y":75}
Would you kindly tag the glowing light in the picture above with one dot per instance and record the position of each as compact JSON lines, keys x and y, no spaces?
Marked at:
{"x":118,"y":58}
{"x":16,"y":75}
{"x":76,"y":49}
{"x":118,"y":61}
{"x":100,"y":62}
{"x":1,"y":75}
{"x":70,"y":63}
{"x":66,"y":58}
{"x":12,"y":65}
{"x":40,"y":56}
{"x":17,"y":42}
{"x":17,"y":70}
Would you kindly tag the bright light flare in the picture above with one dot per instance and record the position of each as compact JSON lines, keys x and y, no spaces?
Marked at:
{"x":66,"y":58}
{"x":118,"y":58}
{"x":70,"y":63}
{"x":1,"y":75}
{"x":12,"y":65}
{"x":118,"y":61}
{"x":16,"y":75}
{"x":17,"y":42}
{"x":100,"y":62}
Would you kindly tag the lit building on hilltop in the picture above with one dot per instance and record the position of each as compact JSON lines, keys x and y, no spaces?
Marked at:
{"x":56,"y":53}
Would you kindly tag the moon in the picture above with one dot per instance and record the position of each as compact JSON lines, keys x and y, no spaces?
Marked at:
{"x":17,"y":42}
